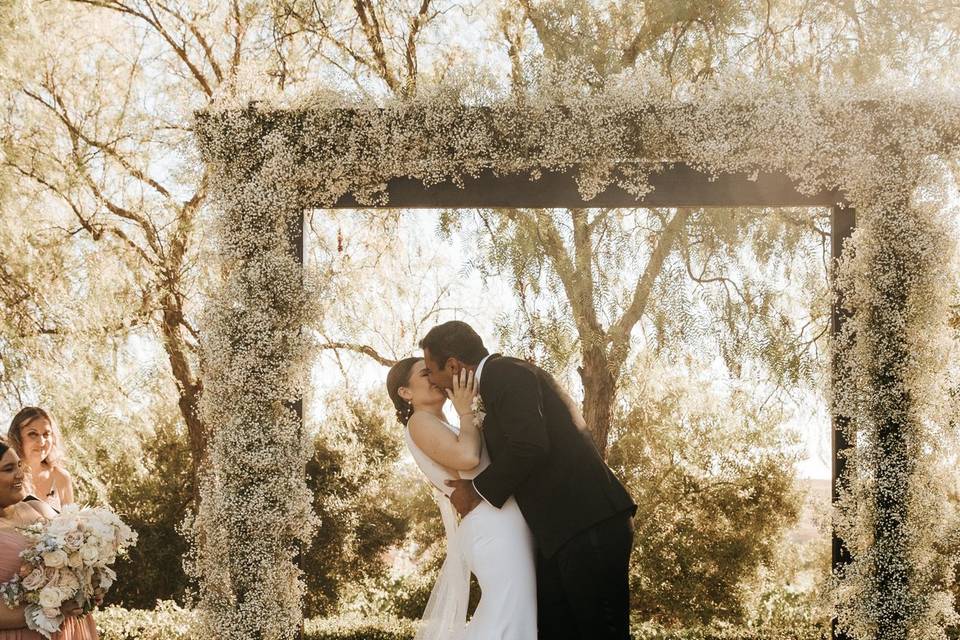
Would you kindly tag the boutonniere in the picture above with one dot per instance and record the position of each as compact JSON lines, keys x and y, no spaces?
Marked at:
{"x":479,"y":413}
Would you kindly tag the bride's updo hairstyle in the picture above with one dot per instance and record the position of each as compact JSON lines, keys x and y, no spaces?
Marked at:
{"x":399,"y":376}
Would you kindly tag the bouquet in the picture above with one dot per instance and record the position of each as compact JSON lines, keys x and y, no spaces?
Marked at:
{"x":68,"y":558}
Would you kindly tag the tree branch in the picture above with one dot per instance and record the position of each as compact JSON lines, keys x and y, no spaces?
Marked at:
{"x":541,"y":226}
{"x":154,"y":21}
{"x":359,"y":348}
{"x":96,"y":230}
{"x":237,"y":36}
{"x":371,"y":29}
{"x":60,"y":110}
{"x":191,"y":25}
{"x":410,"y":51}
{"x":619,"y":334}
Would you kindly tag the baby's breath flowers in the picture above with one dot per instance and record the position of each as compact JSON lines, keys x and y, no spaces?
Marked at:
{"x":884,"y":149}
{"x":255,"y":511}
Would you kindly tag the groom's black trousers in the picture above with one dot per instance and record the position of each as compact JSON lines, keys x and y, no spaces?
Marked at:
{"x":583,"y":590}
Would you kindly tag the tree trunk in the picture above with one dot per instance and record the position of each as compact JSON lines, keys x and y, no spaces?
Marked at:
{"x":188,"y":386}
{"x":599,"y":391}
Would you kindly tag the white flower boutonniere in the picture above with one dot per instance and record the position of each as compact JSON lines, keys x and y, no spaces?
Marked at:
{"x":479,"y":413}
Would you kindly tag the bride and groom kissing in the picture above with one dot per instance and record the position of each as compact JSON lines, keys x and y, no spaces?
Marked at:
{"x":544,"y":525}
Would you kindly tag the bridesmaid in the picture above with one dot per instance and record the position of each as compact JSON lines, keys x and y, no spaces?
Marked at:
{"x":36,"y":439}
{"x":15,"y":513}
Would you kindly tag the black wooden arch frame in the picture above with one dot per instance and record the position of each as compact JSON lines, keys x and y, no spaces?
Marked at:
{"x":674,"y":185}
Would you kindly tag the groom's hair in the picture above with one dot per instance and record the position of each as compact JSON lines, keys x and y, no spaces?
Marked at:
{"x":454,"y":339}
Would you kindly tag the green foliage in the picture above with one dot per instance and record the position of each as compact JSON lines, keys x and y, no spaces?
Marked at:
{"x":758,"y":279}
{"x":166,"y":621}
{"x":747,"y":284}
{"x":152,"y":497}
{"x":145,"y":477}
{"x":169,"y":622}
{"x":375,"y":513}
{"x":359,"y":628}
{"x":785,"y":609}
{"x":687,"y":40}
{"x":651,"y":631}
{"x":714,"y":482}
{"x":692,"y":40}
{"x":791,"y":591}
{"x":406,"y":595}
{"x":352,"y":476}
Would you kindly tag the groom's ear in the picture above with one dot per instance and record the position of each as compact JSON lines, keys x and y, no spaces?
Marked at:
{"x":452,"y":365}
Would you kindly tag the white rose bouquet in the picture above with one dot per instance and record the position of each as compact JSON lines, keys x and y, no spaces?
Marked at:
{"x":68,"y":558}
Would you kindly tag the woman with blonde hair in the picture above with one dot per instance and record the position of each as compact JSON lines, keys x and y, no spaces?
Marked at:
{"x":36,"y":439}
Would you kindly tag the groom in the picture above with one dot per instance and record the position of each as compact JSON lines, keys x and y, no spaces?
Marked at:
{"x":541,"y":453}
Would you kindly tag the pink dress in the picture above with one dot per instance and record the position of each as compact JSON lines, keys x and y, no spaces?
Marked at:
{"x":11,"y":544}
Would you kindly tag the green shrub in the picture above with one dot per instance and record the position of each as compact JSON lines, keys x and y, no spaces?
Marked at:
{"x":171,"y":622}
{"x":145,"y":476}
{"x":352,"y":478}
{"x":716,"y":493}
{"x":168,"y":621}
{"x":720,"y":631}
{"x":152,"y":501}
{"x":359,"y":628}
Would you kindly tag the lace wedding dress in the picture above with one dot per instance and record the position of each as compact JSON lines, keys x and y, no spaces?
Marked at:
{"x":497,"y":547}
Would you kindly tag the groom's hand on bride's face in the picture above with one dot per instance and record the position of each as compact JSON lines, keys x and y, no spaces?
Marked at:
{"x":464,"y":497}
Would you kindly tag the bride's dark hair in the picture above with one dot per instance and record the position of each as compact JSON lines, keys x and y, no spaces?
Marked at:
{"x":399,"y":376}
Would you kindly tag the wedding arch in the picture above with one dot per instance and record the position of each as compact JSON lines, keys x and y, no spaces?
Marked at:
{"x":880,"y":161}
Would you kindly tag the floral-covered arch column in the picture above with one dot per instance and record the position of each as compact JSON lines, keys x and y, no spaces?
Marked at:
{"x":890,"y":387}
{"x":256,"y":510}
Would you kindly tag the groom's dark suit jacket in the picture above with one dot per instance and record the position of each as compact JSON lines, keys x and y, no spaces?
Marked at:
{"x":540,"y":456}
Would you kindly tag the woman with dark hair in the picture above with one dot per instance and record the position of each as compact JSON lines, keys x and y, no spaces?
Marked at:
{"x":494,"y":544}
{"x":35,"y":437}
{"x":16,"y":513}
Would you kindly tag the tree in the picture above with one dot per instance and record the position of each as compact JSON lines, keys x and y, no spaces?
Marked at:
{"x":102,"y":245}
{"x":151,"y":491}
{"x":825,"y":40}
{"x":393,"y":252}
{"x":103,"y":255}
{"x":94,"y":146}
{"x":352,"y":476}
{"x":374,"y":46}
{"x":611,"y":268}
{"x":103,"y":142}
{"x":689,"y":42}
{"x":713,"y":476}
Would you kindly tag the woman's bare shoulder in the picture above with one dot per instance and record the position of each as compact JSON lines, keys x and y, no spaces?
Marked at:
{"x":424,"y":424}
{"x":60,"y":473}
{"x":424,"y":418}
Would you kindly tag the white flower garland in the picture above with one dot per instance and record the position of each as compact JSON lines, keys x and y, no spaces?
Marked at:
{"x":881,"y":148}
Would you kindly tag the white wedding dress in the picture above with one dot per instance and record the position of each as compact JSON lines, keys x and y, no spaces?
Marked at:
{"x":496,"y":546}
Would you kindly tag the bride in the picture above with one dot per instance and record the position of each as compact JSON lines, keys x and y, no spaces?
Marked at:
{"x":494,"y":544}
